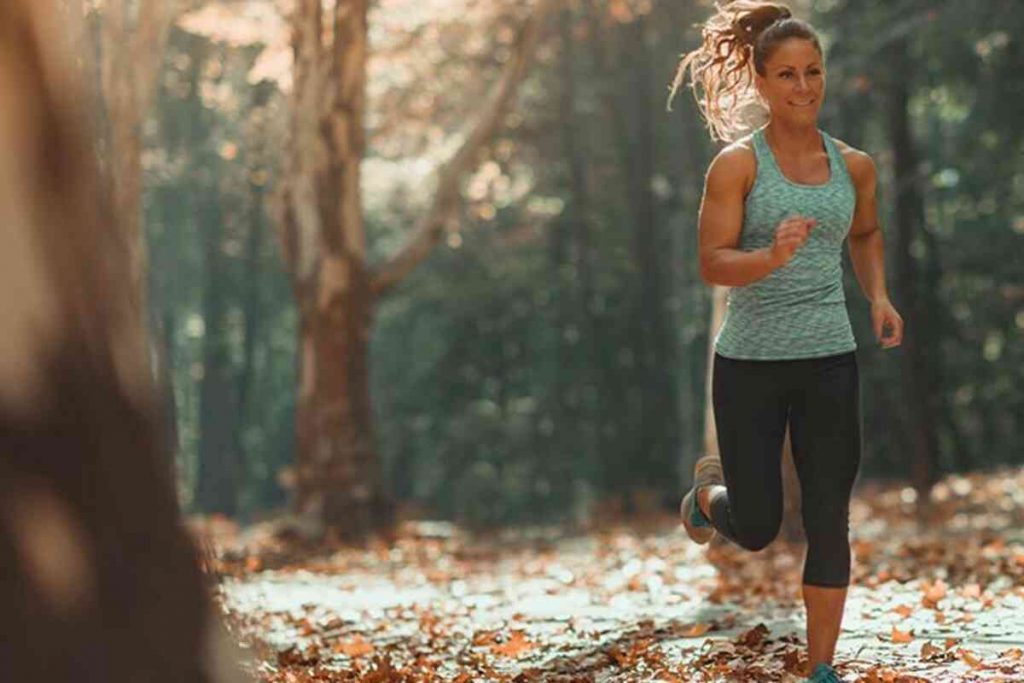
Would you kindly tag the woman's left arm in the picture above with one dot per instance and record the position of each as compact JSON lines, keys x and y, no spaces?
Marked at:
{"x":867,"y":251}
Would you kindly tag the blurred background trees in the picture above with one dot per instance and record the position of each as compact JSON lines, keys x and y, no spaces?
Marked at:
{"x":547,"y":357}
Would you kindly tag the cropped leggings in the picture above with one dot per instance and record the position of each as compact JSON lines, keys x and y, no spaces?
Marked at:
{"x":820,"y":400}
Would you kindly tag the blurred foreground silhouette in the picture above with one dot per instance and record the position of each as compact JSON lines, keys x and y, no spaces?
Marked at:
{"x":100,"y":581}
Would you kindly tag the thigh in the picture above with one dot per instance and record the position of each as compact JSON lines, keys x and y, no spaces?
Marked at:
{"x":825,"y":426}
{"x":751,"y":408}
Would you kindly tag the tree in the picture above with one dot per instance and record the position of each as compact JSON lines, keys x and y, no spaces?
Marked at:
{"x":98,"y":578}
{"x":324,"y":244}
{"x":132,"y":40}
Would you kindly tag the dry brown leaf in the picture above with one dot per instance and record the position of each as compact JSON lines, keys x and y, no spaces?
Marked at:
{"x":485,"y":638}
{"x":933,"y":593}
{"x":899,"y":636}
{"x":515,"y":646}
{"x":971,"y":590}
{"x":355,"y":647}
{"x":696,"y":630}
{"x":970,"y":658}
{"x":903,"y":610}
{"x":928,"y":651}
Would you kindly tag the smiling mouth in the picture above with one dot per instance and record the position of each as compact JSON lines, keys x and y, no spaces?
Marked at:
{"x":803,"y":104}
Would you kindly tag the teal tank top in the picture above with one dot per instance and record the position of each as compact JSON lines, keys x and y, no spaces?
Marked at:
{"x":798,"y":310}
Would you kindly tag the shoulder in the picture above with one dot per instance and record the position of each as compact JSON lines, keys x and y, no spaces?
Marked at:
{"x":734,"y":166}
{"x":859,"y":164}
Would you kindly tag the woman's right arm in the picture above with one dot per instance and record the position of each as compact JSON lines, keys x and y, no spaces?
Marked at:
{"x":721,"y":221}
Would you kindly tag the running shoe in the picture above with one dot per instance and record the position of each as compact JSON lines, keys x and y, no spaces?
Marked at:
{"x":824,"y":673}
{"x":707,"y":471}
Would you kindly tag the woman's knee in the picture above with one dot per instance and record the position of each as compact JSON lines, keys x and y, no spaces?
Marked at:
{"x":826,"y":524}
{"x":758,"y":535}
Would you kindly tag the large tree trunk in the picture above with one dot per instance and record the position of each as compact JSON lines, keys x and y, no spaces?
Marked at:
{"x":132,"y":41}
{"x":98,"y":579}
{"x":653,"y":411}
{"x":916,"y":362}
{"x":339,"y":477}
{"x":574,"y":254}
{"x":219,"y":462}
{"x":658,"y":427}
{"x":338,"y":474}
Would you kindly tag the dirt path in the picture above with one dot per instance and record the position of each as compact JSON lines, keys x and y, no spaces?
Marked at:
{"x":641,"y":603}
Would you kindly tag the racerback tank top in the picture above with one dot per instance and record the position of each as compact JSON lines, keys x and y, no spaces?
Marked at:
{"x":798,"y":310}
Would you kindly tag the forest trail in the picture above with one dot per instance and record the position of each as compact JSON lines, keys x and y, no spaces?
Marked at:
{"x":640,"y":601}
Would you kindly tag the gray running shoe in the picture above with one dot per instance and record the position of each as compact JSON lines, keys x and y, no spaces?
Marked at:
{"x":707,"y":471}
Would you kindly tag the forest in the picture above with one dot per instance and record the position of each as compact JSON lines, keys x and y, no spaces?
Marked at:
{"x":530,"y":334}
{"x":430,"y":345}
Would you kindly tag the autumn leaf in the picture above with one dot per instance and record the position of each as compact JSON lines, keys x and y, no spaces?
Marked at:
{"x":970,"y":658}
{"x":903,"y":610}
{"x":515,"y":646}
{"x":933,"y":593}
{"x":971,"y":590}
{"x":899,"y":636}
{"x":929,"y":651}
{"x":696,"y":630}
{"x":356,"y":647}
{"x":485,"y":638}
{"x":754,"y":636}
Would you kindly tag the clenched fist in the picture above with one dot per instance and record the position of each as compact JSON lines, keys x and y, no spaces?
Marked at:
{"x":790,"y":235}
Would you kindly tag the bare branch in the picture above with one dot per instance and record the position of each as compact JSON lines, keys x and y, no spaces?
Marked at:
{"x":427,"y":231}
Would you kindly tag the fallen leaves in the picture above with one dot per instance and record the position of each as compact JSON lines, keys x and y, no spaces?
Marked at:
{"x":515,"y":646}
{"x":649,"y":606}
{"x":899,"y":636}
{"x":355,"y":647}
{"x":933,"y":593}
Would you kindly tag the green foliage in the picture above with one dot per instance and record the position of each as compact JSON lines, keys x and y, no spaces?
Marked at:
{"x":553,"y":347}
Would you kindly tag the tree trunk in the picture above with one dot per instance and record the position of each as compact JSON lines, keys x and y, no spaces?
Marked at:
{"x":658,"y":440}
{"x":131,"y":50}
{"x":339,"y":478}
{"x":916,"y":361}
{"x":578,"y":304}
{"x":99,"y":578}
{"x":218,"y":410}
{"x":655,"y":413}
{"x":338,"y":475}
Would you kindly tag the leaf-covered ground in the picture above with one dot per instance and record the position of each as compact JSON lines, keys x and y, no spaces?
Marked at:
{"x":943,"y":601}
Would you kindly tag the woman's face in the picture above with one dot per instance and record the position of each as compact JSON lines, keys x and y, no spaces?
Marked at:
{"x":794,"y":82}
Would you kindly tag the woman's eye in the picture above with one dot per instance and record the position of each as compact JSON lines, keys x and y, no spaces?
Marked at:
{"x":787,"y":74}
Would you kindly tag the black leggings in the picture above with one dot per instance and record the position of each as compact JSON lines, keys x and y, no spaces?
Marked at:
{"x":820,"y":399}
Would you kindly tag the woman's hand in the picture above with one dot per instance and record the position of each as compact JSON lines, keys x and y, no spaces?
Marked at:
{"x":790,"y":235}
{"x":887,"y":323}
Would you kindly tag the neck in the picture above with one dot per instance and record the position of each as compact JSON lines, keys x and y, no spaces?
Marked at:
{"x":793,"y":139}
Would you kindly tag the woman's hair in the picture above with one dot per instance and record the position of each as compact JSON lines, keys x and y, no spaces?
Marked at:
{"x":737,"y":41}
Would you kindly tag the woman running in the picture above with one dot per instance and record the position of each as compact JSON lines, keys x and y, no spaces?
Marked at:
{"x":777,"y":206}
